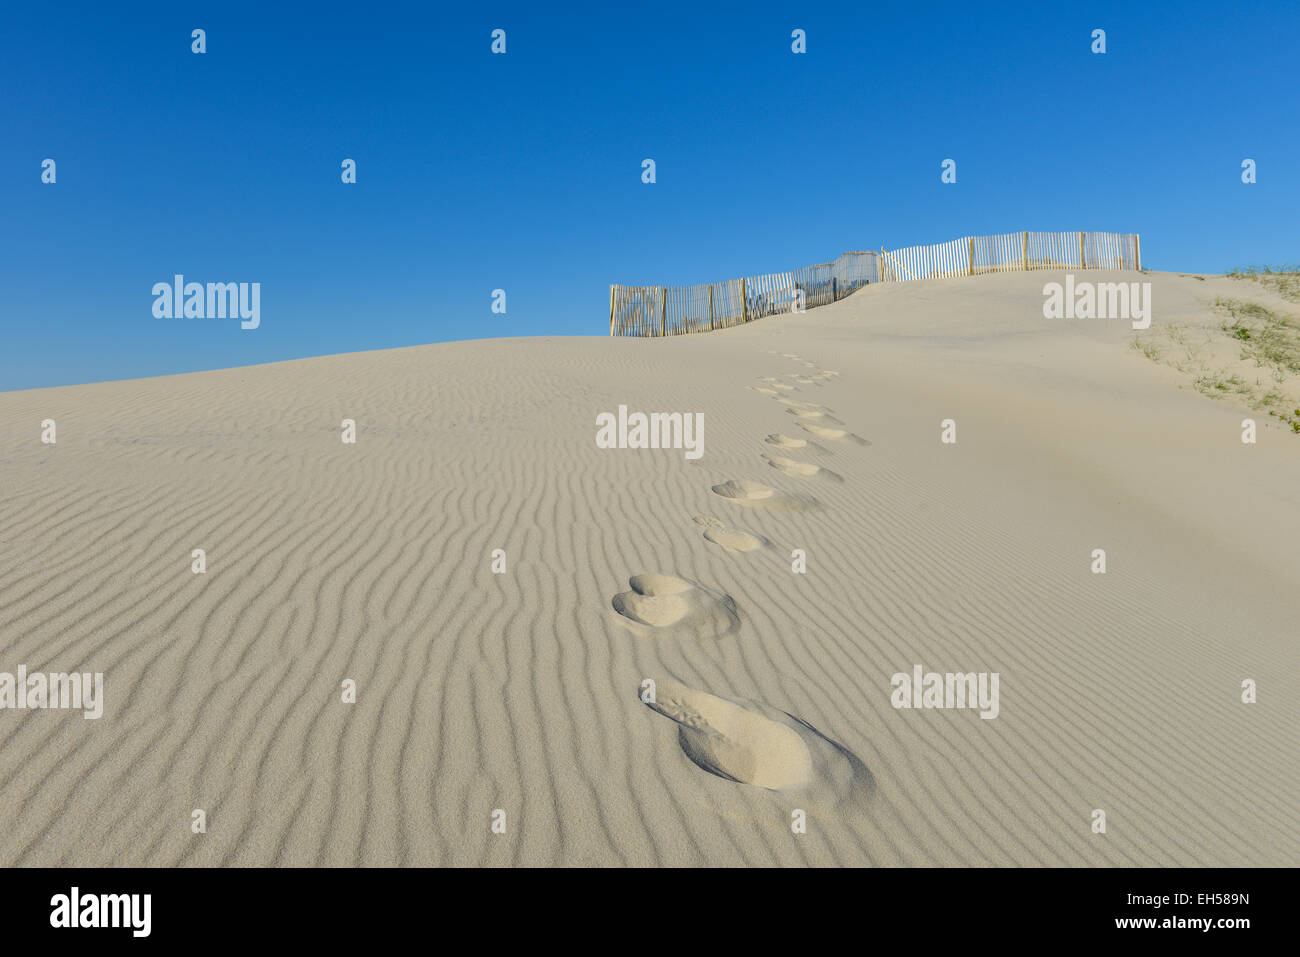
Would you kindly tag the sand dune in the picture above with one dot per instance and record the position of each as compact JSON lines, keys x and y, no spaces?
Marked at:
{"x":478,"y":691}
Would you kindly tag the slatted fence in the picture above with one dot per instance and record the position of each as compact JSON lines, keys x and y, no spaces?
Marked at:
{"x":674,"y":310}
{"x":976,"y":255}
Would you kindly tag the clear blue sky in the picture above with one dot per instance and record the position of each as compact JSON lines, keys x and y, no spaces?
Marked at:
{"x":523,"y":171}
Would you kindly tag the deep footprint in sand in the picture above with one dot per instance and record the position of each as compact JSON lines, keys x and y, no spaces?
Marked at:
{"x":757,"y":495}
{"x":732,"y":539}
{"x":752,"y":743}
{"x":802,"y":469}
{"x":834,"y":435}
{"x":796,"y":445}
{"x":667,"y":605}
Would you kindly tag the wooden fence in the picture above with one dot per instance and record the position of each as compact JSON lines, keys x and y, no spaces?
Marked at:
{"x":976,"y":255}
{"x":673,"y":310}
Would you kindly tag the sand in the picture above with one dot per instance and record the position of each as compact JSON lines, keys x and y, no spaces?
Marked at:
{"x":524,"y":691}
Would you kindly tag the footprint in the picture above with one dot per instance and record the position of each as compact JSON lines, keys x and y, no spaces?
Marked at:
{"x":667,"y":605}
{"x":732,"y":539}
{"x":752,"y":743}
{"x":817,"y":415}
{"x":758,"y":495}
{"x":764,"y":390}
{"x":801,"y":469}
{"x":803,"y":445}
{"x":838,"y":435}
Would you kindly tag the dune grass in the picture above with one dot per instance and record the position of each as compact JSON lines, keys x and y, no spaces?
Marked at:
{"x":1284,"y":280}
{"x":1251,"y":356}
{"x":1267,"y":338}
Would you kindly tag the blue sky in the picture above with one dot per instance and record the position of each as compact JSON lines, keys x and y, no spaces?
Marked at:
{"x":523,"y":171}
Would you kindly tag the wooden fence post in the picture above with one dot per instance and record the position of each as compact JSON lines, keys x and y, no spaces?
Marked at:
{"x":663,"y":315}
{"x":970,"y":271}
{"x":1081,"y":263}
{"x":710,"y":307}
{"x":835,"y":296}
{"x":1137,"y":250}
{"x":1024,"y":251}
{"x":611,"y":310}
{"x":744,"y":301}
